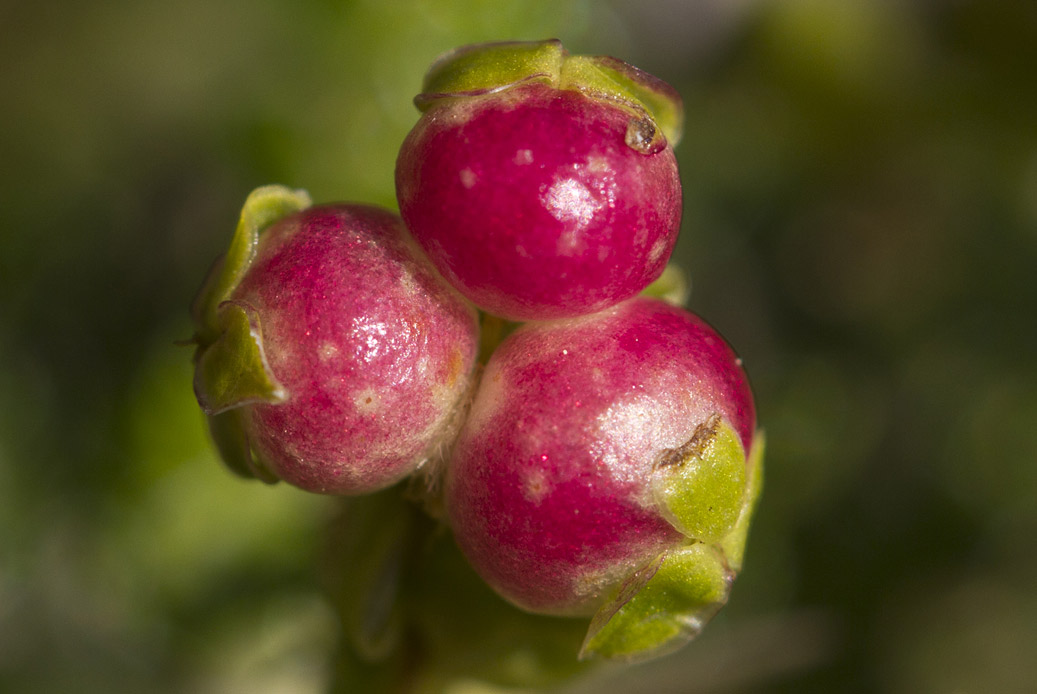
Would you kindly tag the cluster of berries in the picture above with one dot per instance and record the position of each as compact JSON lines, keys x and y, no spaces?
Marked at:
{"x":596,"y":445}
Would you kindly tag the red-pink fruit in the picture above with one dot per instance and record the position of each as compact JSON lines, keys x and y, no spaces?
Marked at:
{"x":544,"y":190}
{"x":595,"y":449}
{"x":362,"y":353}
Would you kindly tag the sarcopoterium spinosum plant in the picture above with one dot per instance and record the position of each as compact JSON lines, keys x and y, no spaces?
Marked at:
{"x":602,"y":462}
{"x":540,"y":183}
{"x":331,"y":355}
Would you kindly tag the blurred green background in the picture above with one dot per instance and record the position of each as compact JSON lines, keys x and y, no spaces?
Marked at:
{"x":860,"y":221}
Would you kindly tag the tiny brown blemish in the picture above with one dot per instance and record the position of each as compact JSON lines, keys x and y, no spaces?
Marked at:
{"x":693,"y":447}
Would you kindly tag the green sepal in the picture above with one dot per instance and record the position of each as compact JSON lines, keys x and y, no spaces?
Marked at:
{"x":661,"y":607}
{"x":228,"y":433}
{"x":673,"y":286}
{"x":233,"y":371}
{"x":490,"y":67}
{"x":657,"y":112}
{"x":608,"y":78}
{"x":263,"y":207}
{"x":733,"y":545}
{"x":701,"y":486}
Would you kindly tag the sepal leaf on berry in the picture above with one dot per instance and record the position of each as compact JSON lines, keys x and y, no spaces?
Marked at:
{"x":263,"y":207}
{"x":733,"y":545}
{"x":662,"y":606}
{"x":701,"y":486}
{"x":231,"y":442}
{"x":228,"y":433}
{"x":708,"y":490}
{"x":490,"y":67}
{"x":610,"y":78}
{"x":657,"y":112}
{"x":230,"y":366}
{"x":233,"y":371}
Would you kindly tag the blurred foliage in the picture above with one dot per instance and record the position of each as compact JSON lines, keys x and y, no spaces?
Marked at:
{"x":860,"y":221}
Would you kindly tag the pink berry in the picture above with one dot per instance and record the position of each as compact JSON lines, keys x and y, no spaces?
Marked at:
{"x":550,"y":197}
{"x":559,"y":487}
{"x":368,"y":352}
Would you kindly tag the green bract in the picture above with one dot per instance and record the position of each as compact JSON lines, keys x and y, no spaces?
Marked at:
{"x":493,"y":67}
{"x":710,"y":497}
{"x":233,"y":370}
{"x":662,"y":606}
{"x":230,"y":366}
{"x":700,"y":485}
{"x":263,"y":207}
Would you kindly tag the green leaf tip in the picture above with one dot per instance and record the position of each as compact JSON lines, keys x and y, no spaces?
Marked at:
{"x":233,"y":371}
{"x":228,"y":433}
{"x":230,"y":366}
{"x":661,"y":607}
{"x":263,"y":207}
{"x":672,"y":286}
{"x":490,"y":67}
{"x":611,"y":79}
{"x":701,"y":486}
{"x":733,"y":545}
{"x":709,"y":491}
{"x":656,"y":109}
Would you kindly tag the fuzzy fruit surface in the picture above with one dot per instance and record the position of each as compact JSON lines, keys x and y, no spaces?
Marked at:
{"x":533,"y":205}
{"x":549,"y":490}
{"x":373,"y":349}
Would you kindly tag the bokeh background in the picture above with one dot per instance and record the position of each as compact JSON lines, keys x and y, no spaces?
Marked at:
{"x":860,"y":186}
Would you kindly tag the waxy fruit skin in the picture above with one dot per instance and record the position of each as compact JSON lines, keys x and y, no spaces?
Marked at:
{"x":550,"y":487}
{"x":532,"y":203}
{"x":373,"y":350}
